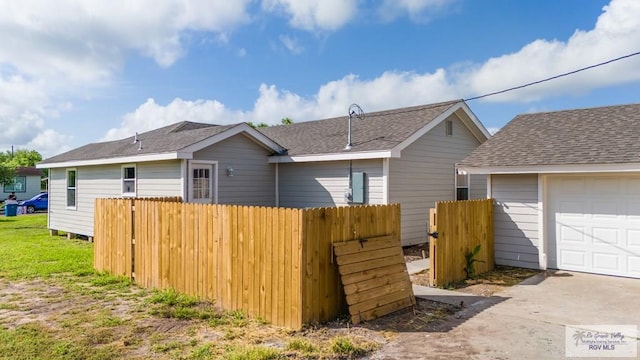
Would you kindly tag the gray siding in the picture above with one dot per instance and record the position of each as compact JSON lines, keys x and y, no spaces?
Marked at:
{"x":32,"y":189}
{"x":516,"y":219}
{"x":153,"y":179}
{"x":323,"y":183}
{"x":478,"y":187}
{"x":253,"y":181}
{"x":425,"y":173}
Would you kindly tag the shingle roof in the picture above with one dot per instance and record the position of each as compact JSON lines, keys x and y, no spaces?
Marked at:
{"x":603,"y":135}
{"x":379,"y":131}
{"x":28,"y":171}
{"x":165,"y":139}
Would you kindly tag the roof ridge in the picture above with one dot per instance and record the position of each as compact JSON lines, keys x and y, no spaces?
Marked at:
{"x":578,"y":109}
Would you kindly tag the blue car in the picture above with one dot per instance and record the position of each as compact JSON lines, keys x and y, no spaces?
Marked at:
{"x":38,"y":202}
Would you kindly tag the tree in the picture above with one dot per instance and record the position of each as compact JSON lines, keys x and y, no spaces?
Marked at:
{"x":10,"y":160}
{"x":260,"y":125}
{"x":20,"y":158}
{"x":286,"y":121}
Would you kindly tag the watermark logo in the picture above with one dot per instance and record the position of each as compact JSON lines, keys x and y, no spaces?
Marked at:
{"x":601,"y":341}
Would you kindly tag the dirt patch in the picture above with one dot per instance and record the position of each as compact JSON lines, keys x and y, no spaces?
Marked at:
{"x":416,"y":252}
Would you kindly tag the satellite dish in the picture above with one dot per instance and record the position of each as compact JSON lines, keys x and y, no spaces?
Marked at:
{"x":354,"y":111}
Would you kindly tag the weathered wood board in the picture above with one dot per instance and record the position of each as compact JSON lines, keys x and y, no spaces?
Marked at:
{"x":374,"y":277}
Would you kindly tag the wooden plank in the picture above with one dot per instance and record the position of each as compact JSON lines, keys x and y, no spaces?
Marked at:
{"x":376,"y":263}
{"x":382,"y":310}
{"x":384,"y":288}
{"x":368,"y":255}
{"x":376,"y":281}
{"x":382,"y":278}
{"x":380,"y":242}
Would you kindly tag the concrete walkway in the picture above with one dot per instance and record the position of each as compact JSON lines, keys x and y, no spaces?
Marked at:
{"x":527,"y":321}
{"x":417,"y":266}
{"x":446,"y":296}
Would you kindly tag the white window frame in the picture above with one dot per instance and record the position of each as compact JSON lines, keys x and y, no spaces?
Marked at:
{"x":213,"y":179}
{"x":67,"y":188}
{"x":468,"y":187}
{"x":135,"y":180}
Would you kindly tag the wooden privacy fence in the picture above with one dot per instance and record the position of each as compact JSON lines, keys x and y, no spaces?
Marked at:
{"x":273,"y":263}
{"x":460,"y":227}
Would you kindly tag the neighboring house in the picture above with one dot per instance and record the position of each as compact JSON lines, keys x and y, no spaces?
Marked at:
{"x":26,"y":184}
{"x":404,"y":156}
{"x":567,"y":190}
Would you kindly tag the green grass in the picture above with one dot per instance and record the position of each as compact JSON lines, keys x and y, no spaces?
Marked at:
{"x":29,"y":252}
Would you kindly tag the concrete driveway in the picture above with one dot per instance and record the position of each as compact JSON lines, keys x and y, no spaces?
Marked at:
{"x":526,"y":321}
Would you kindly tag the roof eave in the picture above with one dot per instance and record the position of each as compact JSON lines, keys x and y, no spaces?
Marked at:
{"x":551,"y":169}
{"x":174,"y":155}
{"x":358,"y":155}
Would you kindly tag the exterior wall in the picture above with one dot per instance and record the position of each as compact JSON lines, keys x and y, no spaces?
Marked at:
{"x":324,"y":183}
{"x":153,"y":179}
{"x":32,"y":189}
{"x":254,"y":179}
{"x":516,"y":219}
{"x":425,"y":173}
{"x":478,"y":188}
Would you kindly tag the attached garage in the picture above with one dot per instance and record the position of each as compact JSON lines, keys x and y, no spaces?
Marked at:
{"x":566,"y":186}
{"x":593,"y":224}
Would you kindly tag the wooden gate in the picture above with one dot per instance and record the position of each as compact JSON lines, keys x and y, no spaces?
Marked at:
{"x":456,"y":228}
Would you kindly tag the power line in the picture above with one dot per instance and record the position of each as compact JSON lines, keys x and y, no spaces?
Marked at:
{"x":553,"y":77}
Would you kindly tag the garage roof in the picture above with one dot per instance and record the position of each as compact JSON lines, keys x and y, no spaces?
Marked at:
{"x":602,"y":135}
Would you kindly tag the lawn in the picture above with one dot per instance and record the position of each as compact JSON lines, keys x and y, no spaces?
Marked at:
{"x":53,"y":305}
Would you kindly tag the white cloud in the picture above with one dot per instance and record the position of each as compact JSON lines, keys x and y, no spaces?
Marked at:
{"x":616,"y":33}
{"x":391,"y":89}
{"x":51,"y":52}
{"x":291,"y":44}
{"x":313,"y":15}
{"x":416,"y":9}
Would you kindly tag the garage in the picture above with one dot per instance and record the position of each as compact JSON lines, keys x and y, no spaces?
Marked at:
{"x":593,"y":223}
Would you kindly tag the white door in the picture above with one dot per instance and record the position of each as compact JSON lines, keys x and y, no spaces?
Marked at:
{"x":594,"y":224}
{"x":202,"y":183}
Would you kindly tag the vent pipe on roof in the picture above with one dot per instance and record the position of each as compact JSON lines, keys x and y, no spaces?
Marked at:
{"x":354,"y":110}
{"x":139,"y":145}
{"x":135,"y":138}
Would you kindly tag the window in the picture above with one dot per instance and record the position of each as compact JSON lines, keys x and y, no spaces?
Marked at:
{"x":201,"y":183}
{"x":129,"y":180}
{"x":449,"y":127}
{"x":462,"y":185}
{"x":19,"y":185}
{"x":71,"y":188}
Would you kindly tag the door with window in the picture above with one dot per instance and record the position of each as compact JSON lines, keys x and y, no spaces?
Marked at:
{"x":202,"y":183}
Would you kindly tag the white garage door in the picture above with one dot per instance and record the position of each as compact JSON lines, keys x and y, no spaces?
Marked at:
{"x":594,"y":224}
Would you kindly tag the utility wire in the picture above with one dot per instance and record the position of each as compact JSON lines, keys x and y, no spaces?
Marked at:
{"x":553,"y":77}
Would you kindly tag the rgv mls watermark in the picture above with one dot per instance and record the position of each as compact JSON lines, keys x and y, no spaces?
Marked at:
{"x":601,"y":341}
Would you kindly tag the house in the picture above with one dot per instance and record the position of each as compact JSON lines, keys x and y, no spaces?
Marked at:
{"x":566,"y":186}
{"x":404,"y":156}
{"x":200,"y":162}
{"x":26,"y":184}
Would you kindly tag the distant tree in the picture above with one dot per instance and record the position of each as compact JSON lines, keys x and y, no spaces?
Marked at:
{"x":9,"y":161}
{"x":286,"y":121}
{"x":7,"y":174}
{"x":260,"y":125}
{"x":20,"y":158}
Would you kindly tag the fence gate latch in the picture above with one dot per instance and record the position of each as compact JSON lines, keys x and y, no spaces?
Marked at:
{"x":433,"y":234}
{"x":362,"y":241}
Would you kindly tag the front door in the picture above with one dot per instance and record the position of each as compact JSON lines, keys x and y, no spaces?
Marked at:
{"x":202,"y":183}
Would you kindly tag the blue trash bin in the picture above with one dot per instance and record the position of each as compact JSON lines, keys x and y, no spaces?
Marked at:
{"x":10,"y":209}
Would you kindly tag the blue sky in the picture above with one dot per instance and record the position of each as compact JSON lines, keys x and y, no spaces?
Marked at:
{"x":80,"y":71}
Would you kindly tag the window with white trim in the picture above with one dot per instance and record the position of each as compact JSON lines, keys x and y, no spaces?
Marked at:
{"x":129,"y":180}
{"x":72,"y":181}
{"x":449,"y":128}
{"x":462,"y":185}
